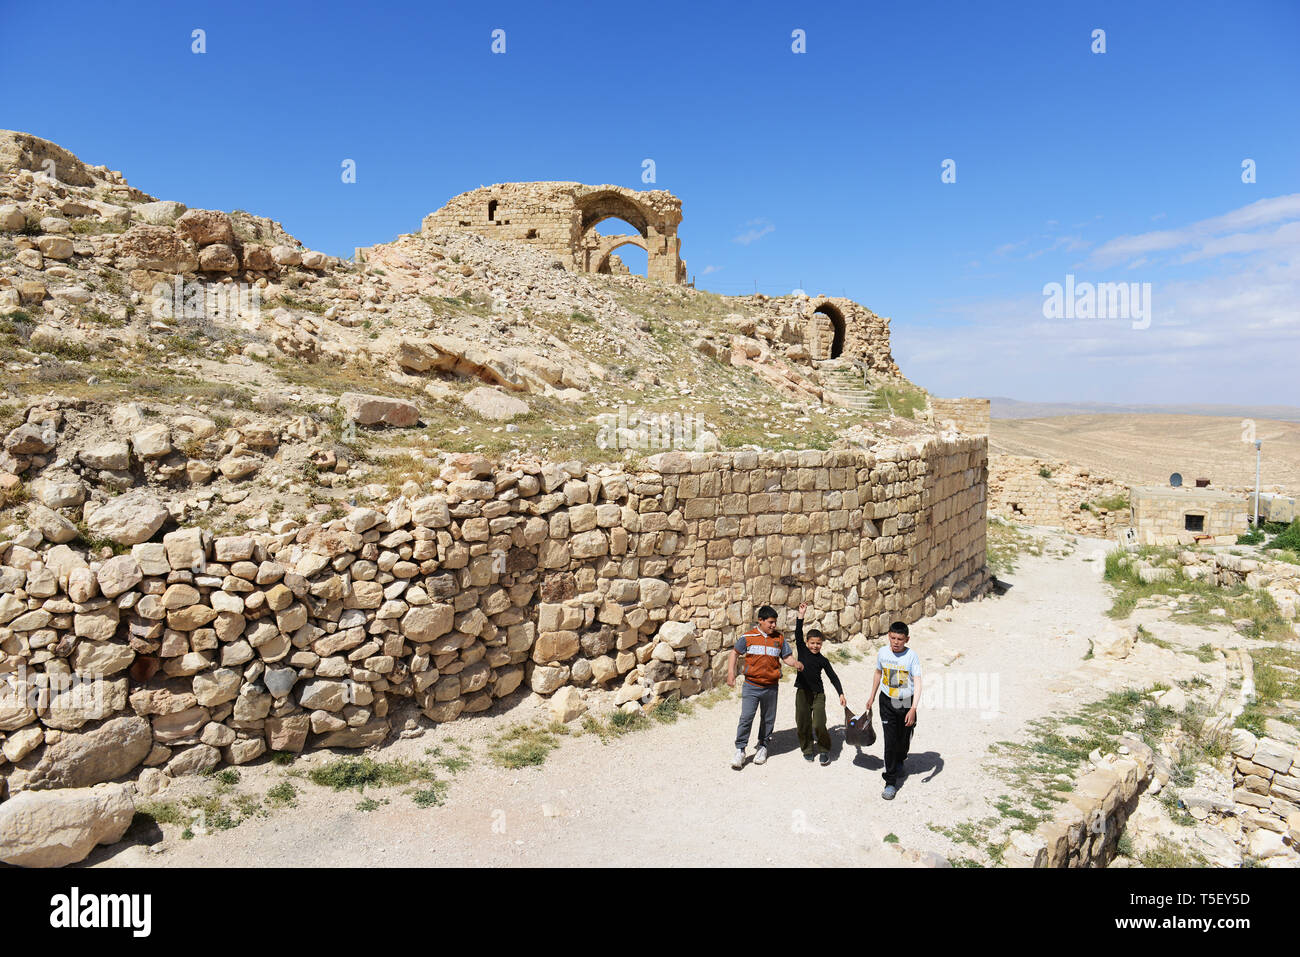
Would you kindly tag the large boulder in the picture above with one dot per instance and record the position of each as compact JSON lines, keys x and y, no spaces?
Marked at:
{"x":159,"y":213}
{"x":53,"y":526}
{"x":54,"y":828}
{"x":154,"y":248}
{"x":203,"y":227}
{"x":366,"y":409}
{"x":81,"y":759}
{"x":461,"y":356}
{"x":128,"y":519}
{"x":494,"y":404}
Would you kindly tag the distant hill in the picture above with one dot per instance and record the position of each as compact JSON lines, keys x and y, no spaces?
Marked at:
{"x":1004,"y":408}
{"x":1144,"y":448}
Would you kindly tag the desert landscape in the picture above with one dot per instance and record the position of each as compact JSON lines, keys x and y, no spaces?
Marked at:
{"x":1145,"y":449}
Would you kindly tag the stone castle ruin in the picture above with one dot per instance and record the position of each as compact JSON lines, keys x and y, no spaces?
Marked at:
{"x":146,"y":628}
{"x":562,"y":218}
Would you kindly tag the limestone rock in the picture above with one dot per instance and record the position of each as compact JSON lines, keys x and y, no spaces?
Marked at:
{"x":378,"y":410}
{"x":494,"y":404}
{"x":206,"y":226}
{"x":81,"y":759}
{"x":54,"y":828}
{"x":128,"y":519}
{"x":154,"y":248}
{"x":567,"y":704}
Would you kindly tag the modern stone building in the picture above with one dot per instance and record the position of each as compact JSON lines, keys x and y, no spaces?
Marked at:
{"x":1184,"y":516}
{"x":562,"y":218}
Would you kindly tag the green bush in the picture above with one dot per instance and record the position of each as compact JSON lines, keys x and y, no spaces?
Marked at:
{"x":1289,"y":538}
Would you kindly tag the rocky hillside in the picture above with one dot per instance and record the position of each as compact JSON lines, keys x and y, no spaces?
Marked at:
{"x":233,"y":377}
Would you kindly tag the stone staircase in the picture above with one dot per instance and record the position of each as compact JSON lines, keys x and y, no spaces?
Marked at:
{"x":846,"y":386}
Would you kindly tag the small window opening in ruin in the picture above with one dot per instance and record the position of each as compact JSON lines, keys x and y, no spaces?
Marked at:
{"x":1194,"y":523}
{"x":492,"y":210}
{"x":532,"y":234}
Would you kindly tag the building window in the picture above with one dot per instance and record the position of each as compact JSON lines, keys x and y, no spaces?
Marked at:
{"x":492,"y":210}
{"x":1194,"y":523}
{"x":532,"y":234}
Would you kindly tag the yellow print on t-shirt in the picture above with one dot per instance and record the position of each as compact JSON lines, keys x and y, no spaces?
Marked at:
{"x":894,"y":678}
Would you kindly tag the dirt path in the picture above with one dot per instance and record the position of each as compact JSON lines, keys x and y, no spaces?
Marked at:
{"x":667,"y":795}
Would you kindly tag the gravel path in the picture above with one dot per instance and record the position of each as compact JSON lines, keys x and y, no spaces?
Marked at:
{"x":668,"y":796}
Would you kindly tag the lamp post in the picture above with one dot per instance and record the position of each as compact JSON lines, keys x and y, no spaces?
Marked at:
{"x":1257,"y":445}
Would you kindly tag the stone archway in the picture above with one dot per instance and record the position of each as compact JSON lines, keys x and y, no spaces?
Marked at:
{"x":598,"y":257}
{"x":825,"y":331}
{"x":657,"y":233}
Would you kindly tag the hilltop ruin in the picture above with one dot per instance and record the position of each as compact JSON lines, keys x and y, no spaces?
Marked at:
{"x":562,"y":219}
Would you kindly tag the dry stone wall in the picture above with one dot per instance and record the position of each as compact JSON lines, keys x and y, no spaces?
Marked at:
{"x":194,"y":650}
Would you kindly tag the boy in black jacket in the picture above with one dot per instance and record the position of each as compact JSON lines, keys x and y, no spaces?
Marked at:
{"x":810,"y":694}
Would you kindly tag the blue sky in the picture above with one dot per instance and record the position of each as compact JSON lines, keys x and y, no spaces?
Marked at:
{"x":818,"y":170}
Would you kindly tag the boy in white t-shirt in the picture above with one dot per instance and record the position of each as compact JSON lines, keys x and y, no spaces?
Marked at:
{"x":900,"y":690}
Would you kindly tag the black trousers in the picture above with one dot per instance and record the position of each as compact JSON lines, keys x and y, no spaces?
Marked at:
{"x":898,"y":738}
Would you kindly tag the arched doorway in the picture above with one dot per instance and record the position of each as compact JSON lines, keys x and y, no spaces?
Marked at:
{"x":826,"y":332}
{"x":607,"y":244}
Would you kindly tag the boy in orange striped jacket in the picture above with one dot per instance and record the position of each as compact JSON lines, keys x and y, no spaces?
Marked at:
{"x":764,"y":649}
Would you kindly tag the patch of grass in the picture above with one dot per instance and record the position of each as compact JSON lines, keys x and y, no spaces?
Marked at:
{"x":524,"y":745}
{"x":1004,"y":544}
{"x":431,"y":796}
{"x":226,"y":777}
{"x":1288,"y":539}
{"x":346,"y":773}
{"x":1168,"y":854}
{"x":625,"y":722}
{"x":96,"y":227}
{"x":455,"y":764}
{"x":891,"y":838}
{"x":1044,"y":471}
{"x":283,"y":794}
{"x":669,"y":709}
{"x":283,"y":758}
{"x":208,"y":812}
{"x":293,"y":302}
{"x":1113,"y":503}
{"x":14,"y":496}
{"x":160,"y":812}
{"x":370,"y":804}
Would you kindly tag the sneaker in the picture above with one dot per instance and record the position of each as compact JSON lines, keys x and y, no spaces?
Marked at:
{"x":809,"y":757}
{"x":760,"y":756}
{"x":738,"y":761}
{"x":825,"y":758}
{"x":889,"y":792}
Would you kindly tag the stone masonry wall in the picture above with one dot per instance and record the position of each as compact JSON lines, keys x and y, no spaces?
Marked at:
{"x":970,"y":416}
{"x":196,"y":650}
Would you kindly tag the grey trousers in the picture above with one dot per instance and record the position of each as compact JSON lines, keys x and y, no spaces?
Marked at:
{"x":752,"y":697}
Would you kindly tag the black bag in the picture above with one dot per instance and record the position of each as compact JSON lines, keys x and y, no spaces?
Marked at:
{"x":858,"y":731}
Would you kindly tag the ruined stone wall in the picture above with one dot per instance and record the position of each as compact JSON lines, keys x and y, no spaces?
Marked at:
{"x":561,"y":217}
{"x":1019,"y":492}
{"x":809,"y":321}
{"x":970,"y":416}
{"x":196,"y":650}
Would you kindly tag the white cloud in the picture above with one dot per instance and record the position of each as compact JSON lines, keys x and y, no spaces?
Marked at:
{"x":758,"y":228}
{"x":1215,"y":338}
{"x":1202,"y":234}
{"x":710,"y":269}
